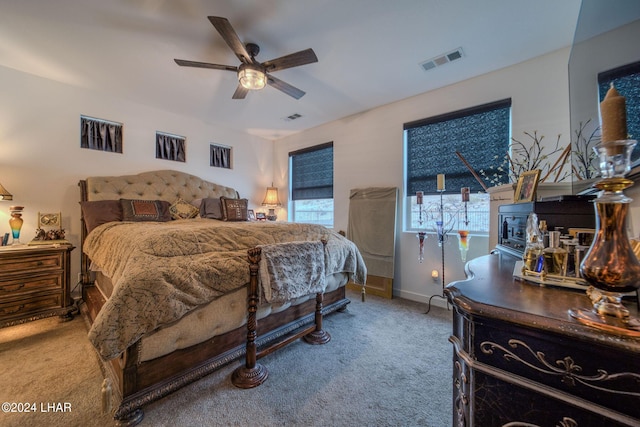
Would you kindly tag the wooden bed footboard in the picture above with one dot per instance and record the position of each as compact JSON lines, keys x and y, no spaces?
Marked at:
{"x":252,"y":374}
{"x":135,"y":385}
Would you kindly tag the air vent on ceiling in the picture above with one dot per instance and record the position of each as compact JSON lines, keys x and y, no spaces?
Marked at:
{"x":292,"y":117}
{"x":439,"y":60}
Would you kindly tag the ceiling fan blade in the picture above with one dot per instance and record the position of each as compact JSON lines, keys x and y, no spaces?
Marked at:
{"x":303,"y":57}
{"x":196,"y":64}
{"x":285,"y":87}
{"x":231,"y":37}
{"x":240,"y":93}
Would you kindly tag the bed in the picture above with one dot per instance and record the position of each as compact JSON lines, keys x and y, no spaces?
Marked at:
{"x":177,"y":284}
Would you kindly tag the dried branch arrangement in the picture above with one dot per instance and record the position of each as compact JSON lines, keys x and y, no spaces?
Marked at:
{"x":583,"y":156}
{"x":527,"y":157}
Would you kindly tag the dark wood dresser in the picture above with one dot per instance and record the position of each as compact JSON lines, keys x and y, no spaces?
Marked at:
{"x":35,"y":283}
{"x":521,"y":360}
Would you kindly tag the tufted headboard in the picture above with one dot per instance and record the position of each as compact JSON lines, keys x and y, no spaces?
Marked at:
{"x":166,"y":185}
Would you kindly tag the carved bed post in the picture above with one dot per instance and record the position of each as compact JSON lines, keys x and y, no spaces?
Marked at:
{"x":252,"y":374}
{"x":319,"y":335}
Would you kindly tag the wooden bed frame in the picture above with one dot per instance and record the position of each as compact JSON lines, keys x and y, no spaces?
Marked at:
{"x":136,"y":384}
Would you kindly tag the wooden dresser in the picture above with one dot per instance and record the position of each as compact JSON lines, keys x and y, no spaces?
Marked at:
{"x":34,"y":283}
{"x":521,"y":360}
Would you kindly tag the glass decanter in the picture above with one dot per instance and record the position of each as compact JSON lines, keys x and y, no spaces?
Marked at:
{"x":610,"y":266}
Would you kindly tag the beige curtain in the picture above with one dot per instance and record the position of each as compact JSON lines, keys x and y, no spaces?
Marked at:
{"x":372,"y":227}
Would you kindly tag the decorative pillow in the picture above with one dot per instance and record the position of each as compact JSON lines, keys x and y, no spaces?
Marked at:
{"x":196,"y":203}
{"x":145,"y":210}
{"x":100,"y":212}
{"x":234,"y":209}
{"x":183,"y":210}
{"x":211,"y":208}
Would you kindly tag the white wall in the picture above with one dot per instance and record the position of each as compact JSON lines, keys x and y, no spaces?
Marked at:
{"x":368,"y":151}
{"x":41,"y":159}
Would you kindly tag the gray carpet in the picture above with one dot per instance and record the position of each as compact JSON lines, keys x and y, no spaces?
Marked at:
{"x":388,"y":364}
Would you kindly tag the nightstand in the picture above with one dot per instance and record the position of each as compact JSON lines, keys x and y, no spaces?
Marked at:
{"x":35,"y":283}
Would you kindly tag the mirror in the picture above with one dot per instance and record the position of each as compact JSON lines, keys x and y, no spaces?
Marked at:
{"x":606,"y":37}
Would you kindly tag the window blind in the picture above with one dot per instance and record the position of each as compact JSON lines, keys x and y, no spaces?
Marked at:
{"x":481,"y":134}
{"x":312,"y":172}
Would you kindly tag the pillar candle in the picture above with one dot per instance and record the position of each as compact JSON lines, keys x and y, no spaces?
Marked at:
{"x":440,"y":182}
{"x":614,"y":116}
{"x":465,"y":194}
{"x":419,"y":195}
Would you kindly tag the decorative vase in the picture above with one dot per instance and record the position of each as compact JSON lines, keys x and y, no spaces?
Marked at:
{"x":610,"y":265}
{"x":16,"y":222}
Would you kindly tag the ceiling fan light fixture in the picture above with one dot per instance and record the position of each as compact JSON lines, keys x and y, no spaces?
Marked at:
{"x":252,"y":77}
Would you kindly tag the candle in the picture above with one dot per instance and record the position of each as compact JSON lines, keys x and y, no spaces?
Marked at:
{"x":419,"y":195}
{"x":440,"y":182}
{"x":464,"y":191}
{"x":614,"y":116}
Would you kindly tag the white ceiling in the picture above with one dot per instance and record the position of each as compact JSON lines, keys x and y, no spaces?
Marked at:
{"x":369,"y":51}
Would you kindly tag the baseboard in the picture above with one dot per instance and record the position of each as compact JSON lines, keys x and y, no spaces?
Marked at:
{"x":376,"y":285}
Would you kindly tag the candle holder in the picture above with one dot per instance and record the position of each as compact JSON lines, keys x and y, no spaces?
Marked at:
{"x":463,"y":233}
{"x":421,"y":238}
{"x":610,"y":266}
{"x":422,"y":235}
{"x":443,"y":235}
{"x":463,"y":243}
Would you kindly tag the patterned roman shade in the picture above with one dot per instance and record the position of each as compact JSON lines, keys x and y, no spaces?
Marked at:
{"x":312,"y":172}
{"x":481,"y":134}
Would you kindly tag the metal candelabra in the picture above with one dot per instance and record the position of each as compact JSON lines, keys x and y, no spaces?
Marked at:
{"x":443,"y":235}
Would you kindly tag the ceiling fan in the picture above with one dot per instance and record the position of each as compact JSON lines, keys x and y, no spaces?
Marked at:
{"x":253,"y":75}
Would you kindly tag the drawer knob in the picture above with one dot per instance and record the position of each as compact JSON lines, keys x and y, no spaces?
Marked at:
{"x":39,"y":263}
{"x":12,"y":288}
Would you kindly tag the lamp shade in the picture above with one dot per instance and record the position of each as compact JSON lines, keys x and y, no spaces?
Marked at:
{"x":4,"y":194}
{"x":271,"y":198}
{"x":251,"y":77}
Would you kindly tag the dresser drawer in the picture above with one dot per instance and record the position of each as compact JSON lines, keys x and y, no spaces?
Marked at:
{"x":17,"y":287}
{"x":500,"y":403}
{"x":23,"y":263}
{"x":586,"y":371}
{"x":27,"y":306}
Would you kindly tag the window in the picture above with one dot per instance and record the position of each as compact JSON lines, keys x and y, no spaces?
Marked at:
{"x":170,"y":147}
{"x":98,"y":134}
{"x":481,"y":136}
{"x":311,"y":185}
{"x":626,"y":80}
{"x":220,"y":156}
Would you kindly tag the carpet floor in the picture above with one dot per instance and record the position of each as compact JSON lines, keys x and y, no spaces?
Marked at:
{"x":387,"y":364}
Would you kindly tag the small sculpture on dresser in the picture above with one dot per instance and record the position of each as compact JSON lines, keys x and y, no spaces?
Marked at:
{"x":42,"y":235}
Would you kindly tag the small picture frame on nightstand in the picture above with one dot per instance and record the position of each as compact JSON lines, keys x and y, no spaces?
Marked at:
{"x":50,"y":231}
{"x":50,"y":220}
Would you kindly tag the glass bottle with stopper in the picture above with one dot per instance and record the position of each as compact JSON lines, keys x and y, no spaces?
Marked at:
{"x":532,"y":257}
{"x":555,"y":257}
